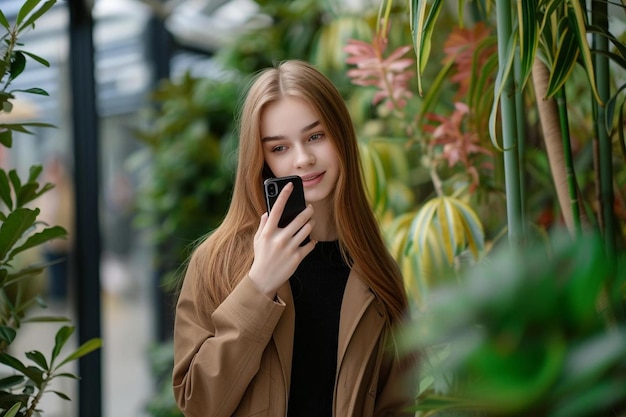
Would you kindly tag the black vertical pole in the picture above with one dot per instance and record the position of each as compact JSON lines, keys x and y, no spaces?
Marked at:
{"x":160,"y":46}
{"x":87,"y":249}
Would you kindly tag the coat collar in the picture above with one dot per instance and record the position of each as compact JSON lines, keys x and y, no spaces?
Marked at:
{"x":284,"y":331}
{"x":356,"y":300}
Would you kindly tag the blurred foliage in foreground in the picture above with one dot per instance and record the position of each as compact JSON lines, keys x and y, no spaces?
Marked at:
{"x":529,"y":333}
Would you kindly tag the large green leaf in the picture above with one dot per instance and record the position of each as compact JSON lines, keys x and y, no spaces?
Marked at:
{"x":384,"y":13}
{"x":505,"y":65}
{"x":5,"y":190}
{"x":13,"y":362}
{"x":37,"y":14}
{"x":472,"y":227}
{"x":26,"y":193}
{"x":18,"y":63}
{"x":528,"y":26}
{"x":451,"y":229}
{"x":482,"y":73}
{"x":61,"y":395}
{"x":578,"y":25}
{"x":431,"y":98}
{"x":38,"y":358}
{"x":6,"y":138}
{"x":15,"y":181}
{"x":25,"y":10}
{"x":7,"y":334}
{"x":62,"y":336}
{"x":514,"y":380}
{"x":84,"y":349}
{"x":590,"y":359}
{"x":20,"y":126}
{"x":11,"y":381}
{"x":611,"y":114}
{"x":3,"y":21}
{"x":375,"y":179}
{"x":34,"y":90}
{"x":564,"y":61}
{"x":46,"y":319}
{"x":46,"y":235}
{"x":29,"y":271}
{"x":609,"y":391}
{"x":455,"y":225}
{"x":36,"y":375}
{"x":396,"y":236}
{"x":482,"y":96}
{"x":422,"y":22}
{"x":432,"y":261}
{"x":420,"y":225}
{"x":34,"y":172}
{"x":12,"y":412}
{"x":13,"y":229}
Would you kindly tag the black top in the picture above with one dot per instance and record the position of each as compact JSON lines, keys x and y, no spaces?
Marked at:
{"x":317,"y":286}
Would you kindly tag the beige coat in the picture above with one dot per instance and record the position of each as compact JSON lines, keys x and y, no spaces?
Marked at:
{"x":237,"y":361}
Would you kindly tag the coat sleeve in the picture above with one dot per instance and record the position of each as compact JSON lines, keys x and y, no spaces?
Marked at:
{"x":216,"y":356}
{"x":398,"y":385}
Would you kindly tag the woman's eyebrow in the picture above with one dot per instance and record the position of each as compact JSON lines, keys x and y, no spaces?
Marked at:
{"x":272,"y":138}
{"x":281,"y":137}
{"x":311,"y":126}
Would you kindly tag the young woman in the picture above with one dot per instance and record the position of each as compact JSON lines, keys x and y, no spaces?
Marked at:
{"x":266,"y":327}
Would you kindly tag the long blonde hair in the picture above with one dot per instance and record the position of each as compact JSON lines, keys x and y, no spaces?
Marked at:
{"x":227,"y":254}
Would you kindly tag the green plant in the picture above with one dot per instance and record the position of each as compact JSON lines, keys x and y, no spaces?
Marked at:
{"x":490,"y":350}
{"x":20,"y":231}
{"x":522,"y":334}
{"x":185,"y":170}
{"x":543,"y":173}
{"x":443,"y":231}
{"x":546,"y":41}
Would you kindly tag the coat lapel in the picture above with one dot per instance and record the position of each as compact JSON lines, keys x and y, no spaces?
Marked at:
{"x":284,"y":331}
{"x":356,"y":299}
{"x":362,"y":321}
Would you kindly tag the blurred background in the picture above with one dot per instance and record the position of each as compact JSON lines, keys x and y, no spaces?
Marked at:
{"x":143,"y":96}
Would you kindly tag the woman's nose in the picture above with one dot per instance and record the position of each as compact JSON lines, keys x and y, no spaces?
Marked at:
{"x":304,"y":158}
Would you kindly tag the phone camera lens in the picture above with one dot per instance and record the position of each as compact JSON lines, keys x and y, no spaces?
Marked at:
{"x":272,"y":190}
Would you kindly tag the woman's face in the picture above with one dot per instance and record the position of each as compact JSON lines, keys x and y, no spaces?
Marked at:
{"x":296,"y":142}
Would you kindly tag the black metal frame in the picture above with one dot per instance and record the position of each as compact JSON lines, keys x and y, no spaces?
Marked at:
{"x":86,"y":174}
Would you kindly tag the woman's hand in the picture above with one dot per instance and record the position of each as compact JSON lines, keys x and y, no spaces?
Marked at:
{"x":277,"y":251}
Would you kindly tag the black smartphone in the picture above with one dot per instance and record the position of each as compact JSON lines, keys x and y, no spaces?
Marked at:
{"x":295,"y":203}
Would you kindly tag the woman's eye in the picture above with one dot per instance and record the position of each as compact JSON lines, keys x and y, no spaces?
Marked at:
{"x":279,"y":148}
{"x":316,"y":136}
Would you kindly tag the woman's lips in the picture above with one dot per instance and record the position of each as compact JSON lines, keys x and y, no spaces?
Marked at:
{"x":313,"y":179}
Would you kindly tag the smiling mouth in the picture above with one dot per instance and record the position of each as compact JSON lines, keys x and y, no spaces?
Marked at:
{"x":312,"y":177}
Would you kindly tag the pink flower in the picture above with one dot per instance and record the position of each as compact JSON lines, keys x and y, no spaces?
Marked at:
{"x":456,"y":145}
{"x":389,"y":75}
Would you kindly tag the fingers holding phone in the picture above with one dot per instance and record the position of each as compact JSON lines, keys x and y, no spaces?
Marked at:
{"x":276,"y":200}
{"x":292,"y":203}
{"x":282,"y":240}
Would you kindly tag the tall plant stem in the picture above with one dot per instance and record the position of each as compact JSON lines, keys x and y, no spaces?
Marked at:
{"x":509,"y":131}
{"x":11,"y":43}
{"x":572,"y":186}
{"x":436,"y":181}
{"x":607,"y":222}
{"x":599,"y":10}
{"x":520,"y":110}
{"x":552,"y":137}
{"x":42,"y":389}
